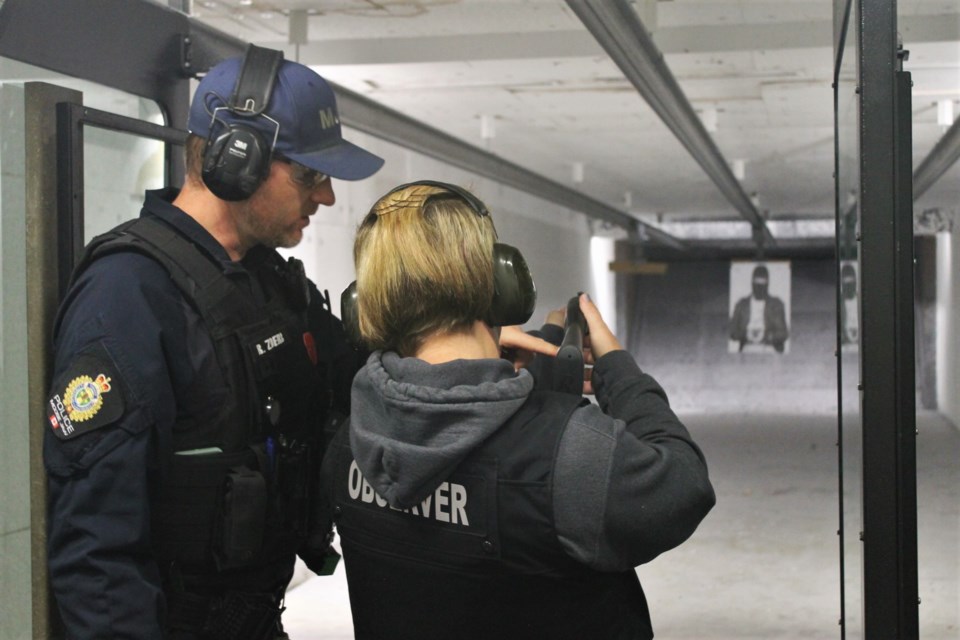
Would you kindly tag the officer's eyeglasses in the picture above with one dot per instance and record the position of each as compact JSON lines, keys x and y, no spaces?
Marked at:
{"x":304,"y":176}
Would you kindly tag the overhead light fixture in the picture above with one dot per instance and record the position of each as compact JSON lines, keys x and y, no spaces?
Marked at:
{"x":945,"y":113}
{"x":739,"y":168}
{"x":578,"y":172}
{"x":709,"y":117}
{"x":298,"y":27}
{"x":246,"y":3}
{"x":487,"y":127}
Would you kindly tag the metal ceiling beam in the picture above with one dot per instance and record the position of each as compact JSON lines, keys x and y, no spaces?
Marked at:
{"x":527,"y":45}
{"x":938,"y":161}
{"x":372,"y":117}
{"x":554,"y":44}
{"x":620,"y":32}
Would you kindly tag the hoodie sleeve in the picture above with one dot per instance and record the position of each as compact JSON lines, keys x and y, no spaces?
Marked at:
{"x":629,"y":482}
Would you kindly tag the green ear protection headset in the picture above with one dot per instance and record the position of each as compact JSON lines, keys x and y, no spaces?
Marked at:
{"x":514,"y":294}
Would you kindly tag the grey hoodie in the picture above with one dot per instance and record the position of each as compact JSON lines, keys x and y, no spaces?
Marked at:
{"x":629,"y":483}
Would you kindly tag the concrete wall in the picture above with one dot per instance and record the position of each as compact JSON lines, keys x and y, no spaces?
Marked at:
{"x":678,"y":331}
{"x":15,"y":517}
{"x":948,"y":326}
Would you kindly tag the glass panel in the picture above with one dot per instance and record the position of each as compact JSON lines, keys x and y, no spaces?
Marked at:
{"x":94,"y":95}
{"x":849,"y":419}
{"x":117,"y":168}
{"x":934,"y":65}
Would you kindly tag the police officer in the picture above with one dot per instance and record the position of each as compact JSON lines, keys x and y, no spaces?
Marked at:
{"x":470,"y":503}
{"x":194,"y":372}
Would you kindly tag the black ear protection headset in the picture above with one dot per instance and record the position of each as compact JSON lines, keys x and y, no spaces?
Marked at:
{"x":514,"y":294}
{"x":237,"y":160}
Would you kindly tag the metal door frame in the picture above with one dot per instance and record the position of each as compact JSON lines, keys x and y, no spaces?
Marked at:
{"x":72,"y":117}
{"x":887,"y":351}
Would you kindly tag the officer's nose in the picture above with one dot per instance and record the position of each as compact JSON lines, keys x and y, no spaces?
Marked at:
{"x":324,"y":194}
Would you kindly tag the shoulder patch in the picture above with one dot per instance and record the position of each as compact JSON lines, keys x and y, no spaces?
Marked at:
{"x":86,"y":396}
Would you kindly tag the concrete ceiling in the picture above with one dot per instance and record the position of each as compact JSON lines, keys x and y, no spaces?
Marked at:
{"x":525,"y":79}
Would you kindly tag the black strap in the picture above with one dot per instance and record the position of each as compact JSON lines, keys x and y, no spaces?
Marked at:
{"x":255,"y":83}
{"x":220,"y":301}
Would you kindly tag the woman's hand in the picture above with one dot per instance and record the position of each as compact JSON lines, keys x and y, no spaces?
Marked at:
{"x":557,"y":317}
{"x":599,"y":342}
{"x":519,"y":347}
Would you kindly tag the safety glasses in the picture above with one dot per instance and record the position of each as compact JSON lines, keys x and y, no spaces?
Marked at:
{"x":304,"y":176}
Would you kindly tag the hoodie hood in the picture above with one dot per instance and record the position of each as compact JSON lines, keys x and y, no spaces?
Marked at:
{"x":412,"y":422}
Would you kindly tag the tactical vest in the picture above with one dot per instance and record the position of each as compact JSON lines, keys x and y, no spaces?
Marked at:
{"x":232,"y":501}
{"x":478,"y":557}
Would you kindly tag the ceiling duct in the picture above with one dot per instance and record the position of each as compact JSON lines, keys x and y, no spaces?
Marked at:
{"x":618,"y":29}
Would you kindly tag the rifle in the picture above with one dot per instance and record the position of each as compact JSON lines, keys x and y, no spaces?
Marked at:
{"x":568,"y":377}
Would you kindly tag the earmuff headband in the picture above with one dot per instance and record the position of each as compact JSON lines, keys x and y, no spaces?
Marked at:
{"x":475,"y":203}
{"x":255,"y":83}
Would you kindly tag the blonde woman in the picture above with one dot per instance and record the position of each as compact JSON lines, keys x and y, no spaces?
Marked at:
{"x":471,"y":503}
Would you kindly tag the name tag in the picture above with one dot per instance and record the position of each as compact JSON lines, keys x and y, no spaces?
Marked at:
{"x":447,"y":503}
{"x":458,"y":517}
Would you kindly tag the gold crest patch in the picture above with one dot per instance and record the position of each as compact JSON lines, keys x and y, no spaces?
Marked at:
{"x":84,"y":396}
{"x":87,"y":395}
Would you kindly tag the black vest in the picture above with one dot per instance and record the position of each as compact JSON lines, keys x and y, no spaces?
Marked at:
{"x":232,"y":502}
{"x":479,"y":557}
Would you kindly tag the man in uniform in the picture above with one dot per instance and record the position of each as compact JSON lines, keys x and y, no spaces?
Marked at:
{"x":194,"y":373}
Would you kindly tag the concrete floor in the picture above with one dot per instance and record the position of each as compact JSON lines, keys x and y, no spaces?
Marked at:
{"x":765,"y":562}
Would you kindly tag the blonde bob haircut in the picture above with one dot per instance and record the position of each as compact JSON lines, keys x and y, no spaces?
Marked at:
{"x":424,"y":261}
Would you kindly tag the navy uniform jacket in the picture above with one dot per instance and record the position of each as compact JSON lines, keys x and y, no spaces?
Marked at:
{"x":124,"y":324}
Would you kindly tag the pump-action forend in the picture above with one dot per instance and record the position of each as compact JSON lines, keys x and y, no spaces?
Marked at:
{"x":569,"y":364}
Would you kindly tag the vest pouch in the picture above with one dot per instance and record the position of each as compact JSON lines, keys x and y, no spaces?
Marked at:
{"x":241,"y":518}
{"x":290,"y":515}
{"x":186,"y":514}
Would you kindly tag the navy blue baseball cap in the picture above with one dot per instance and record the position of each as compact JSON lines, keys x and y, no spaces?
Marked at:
{"x":304,"y":106}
